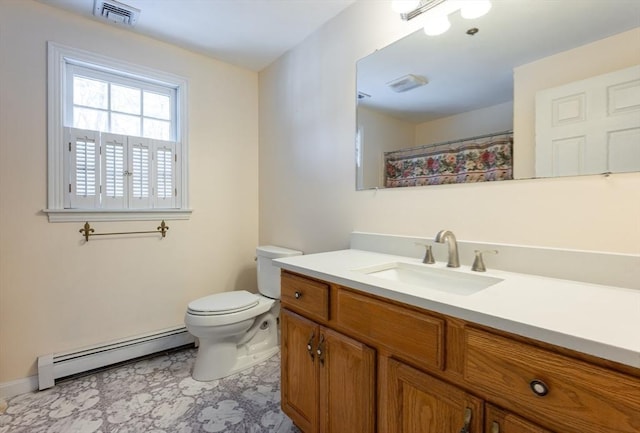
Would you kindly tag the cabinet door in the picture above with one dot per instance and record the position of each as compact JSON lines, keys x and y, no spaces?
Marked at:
{"x":419,"y":403}
{"x":500,"y":421}
{"x":347,"y":384}
{"x":299,"y":366}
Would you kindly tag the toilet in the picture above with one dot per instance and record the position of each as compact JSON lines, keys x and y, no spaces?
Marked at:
{"x":237,"y":330}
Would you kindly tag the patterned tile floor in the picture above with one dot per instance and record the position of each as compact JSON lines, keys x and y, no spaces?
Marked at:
{"x":154,"y":395}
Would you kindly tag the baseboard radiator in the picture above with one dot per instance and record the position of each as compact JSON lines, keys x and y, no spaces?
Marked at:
{"x":56,"y":366}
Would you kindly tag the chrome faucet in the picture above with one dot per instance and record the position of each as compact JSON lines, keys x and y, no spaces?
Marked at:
{"x":448,"y":236}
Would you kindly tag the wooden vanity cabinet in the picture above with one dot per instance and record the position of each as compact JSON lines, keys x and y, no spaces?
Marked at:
{"x":435,"y":373}
{"x":559,"y":392}
{"x":300,"y":389}
{"x":497,"y":420}
{"x":328,"y":379}
{"x":404,"y":332}
{"x":419,"y":403}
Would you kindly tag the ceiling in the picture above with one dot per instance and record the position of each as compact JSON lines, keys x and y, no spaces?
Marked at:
{"x":247,"y":33}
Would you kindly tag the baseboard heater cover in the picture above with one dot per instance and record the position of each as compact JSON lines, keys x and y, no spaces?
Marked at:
{"x":56,"y":366}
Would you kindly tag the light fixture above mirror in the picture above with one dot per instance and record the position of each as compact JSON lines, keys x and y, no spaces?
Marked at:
{"x":436,"y":19}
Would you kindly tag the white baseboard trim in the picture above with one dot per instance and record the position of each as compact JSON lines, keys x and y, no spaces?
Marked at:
{"x":17,"y":387}
{"x":56,"y":366}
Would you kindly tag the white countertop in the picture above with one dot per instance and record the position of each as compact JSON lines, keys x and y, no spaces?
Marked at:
{"x":599,"y":320}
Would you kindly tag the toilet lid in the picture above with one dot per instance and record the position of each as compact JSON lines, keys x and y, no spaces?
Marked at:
{"x":224,"y":303}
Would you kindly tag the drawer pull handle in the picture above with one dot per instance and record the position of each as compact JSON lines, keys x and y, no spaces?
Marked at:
{"x":539,"y":388}
{"x":310,"y":346}
{"x":467,"y":421}
{"x":495,"y":427}
{"x":298,"y":295}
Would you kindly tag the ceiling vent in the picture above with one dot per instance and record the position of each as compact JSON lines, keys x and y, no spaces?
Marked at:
{"x":407,"y":82}
{"x":116,"y":12}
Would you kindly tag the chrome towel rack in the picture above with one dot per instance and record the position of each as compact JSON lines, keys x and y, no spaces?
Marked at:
{"x":87,"y":231}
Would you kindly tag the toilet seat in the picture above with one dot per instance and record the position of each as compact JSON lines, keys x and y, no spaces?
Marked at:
{"x":207,"y":319}
{"x":223,"y":303}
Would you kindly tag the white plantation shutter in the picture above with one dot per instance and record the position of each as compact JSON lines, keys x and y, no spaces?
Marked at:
{"x":111,"y":171}
{"x":140,"y":152}
{"x":165,"y":174}
{"x":83,"y":165}
{"x":114,"y":171}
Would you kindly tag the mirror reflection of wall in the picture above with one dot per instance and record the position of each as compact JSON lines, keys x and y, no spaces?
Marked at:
{"x":382,"y":133}
{"x":496,"y":88}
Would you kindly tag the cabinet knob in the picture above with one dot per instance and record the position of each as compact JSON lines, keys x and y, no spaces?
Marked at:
{"x":539,"y":388}
{"x":298,"y":295}
{"x":310,"y":345}
{"x":320,"y":350}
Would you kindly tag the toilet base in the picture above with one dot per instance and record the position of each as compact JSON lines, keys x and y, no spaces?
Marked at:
{"x":220,"y":358}
{"x":203,"y":372}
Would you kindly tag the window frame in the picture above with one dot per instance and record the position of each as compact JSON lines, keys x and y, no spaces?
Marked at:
{"x":143,"y":85}
{"x":58,"y":57}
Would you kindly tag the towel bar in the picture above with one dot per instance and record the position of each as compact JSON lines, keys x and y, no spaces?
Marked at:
{"x":87,"y":231}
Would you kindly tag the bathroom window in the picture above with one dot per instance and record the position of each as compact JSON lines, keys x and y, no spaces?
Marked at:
{"x":117,"y":140}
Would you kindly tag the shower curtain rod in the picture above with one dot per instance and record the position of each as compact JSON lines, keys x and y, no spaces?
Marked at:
{"x":444,"y":143}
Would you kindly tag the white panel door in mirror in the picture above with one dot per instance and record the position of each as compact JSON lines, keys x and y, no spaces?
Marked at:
{"x":589,"y":126}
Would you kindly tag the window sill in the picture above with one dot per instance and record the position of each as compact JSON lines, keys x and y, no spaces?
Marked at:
{"x":83,"y":215}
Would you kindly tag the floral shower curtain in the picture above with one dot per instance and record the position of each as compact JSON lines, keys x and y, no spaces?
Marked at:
{"x":479,"y":159}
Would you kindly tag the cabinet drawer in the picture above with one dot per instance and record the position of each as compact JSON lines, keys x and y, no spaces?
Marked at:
{"x":305,"y":296}
{"x":407,"y":333}
{"x":573,"y":396}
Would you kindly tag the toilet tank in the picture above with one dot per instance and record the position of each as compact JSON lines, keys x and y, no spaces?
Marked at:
{"x":268,"y":274}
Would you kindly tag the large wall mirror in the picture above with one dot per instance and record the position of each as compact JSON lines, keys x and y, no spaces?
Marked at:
{"x":500,"y":77}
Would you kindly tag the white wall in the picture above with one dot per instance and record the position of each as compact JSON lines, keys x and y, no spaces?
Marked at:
{"x":307,"y":195}
{"x":381,"y":133}
{"x":486,"y":120}
{"x":58,"y":293}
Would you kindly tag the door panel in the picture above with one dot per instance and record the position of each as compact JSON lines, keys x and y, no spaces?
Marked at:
{"x":347,"y":370}
{"x":419,"y":403}
{"x":589,"y":126}
{"x":299,"y":371}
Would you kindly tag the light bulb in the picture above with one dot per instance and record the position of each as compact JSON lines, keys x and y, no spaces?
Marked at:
{"x":404,"y":6}
{"x":471,"y":9}
{"x":436,"y":25}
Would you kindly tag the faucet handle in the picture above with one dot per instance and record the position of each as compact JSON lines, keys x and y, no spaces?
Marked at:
{"x":478,"y":263}
{"x":428,"y":254}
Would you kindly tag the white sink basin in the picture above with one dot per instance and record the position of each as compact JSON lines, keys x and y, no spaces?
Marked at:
{"x":423,"y":276}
